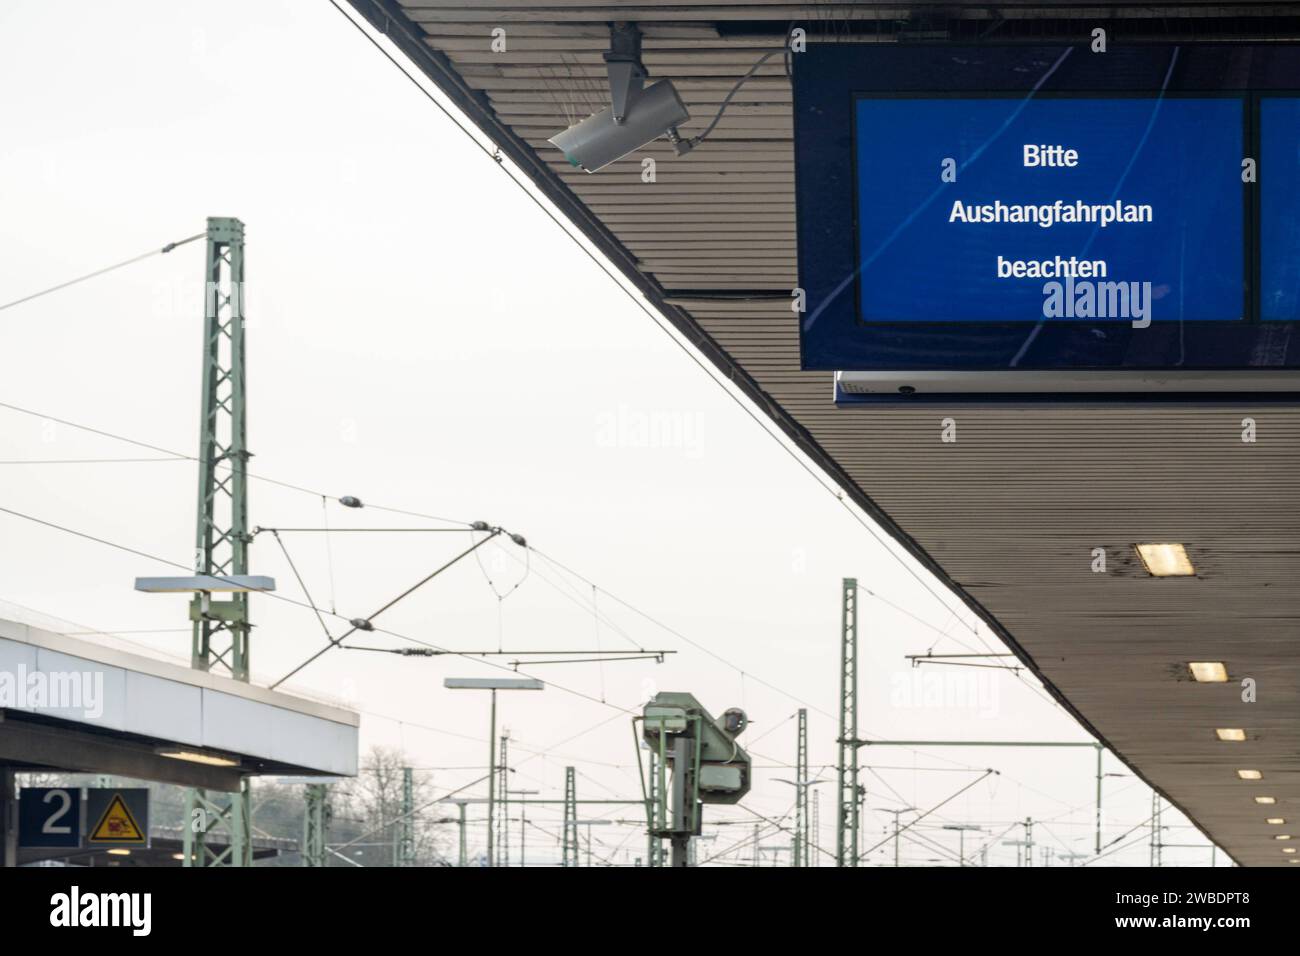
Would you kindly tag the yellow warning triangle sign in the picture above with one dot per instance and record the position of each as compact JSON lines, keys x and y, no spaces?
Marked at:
{"x":117,"y":825}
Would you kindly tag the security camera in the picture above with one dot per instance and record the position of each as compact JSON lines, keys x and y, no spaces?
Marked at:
{"x":600,"y":139}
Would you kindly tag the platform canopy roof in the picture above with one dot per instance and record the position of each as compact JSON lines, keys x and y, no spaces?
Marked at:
{"x":75,"y":706}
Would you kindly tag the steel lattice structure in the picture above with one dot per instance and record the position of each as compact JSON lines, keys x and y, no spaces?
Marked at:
{"x":570,"y":818}
{"x":221,"y":627}
{"x":846,"y":843}
{"x":221,"y":549}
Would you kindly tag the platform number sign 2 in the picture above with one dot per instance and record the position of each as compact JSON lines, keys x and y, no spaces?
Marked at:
{"x":49,"y":817}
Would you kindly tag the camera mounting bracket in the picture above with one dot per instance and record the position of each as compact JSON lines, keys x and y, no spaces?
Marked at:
{"x":623,"y":63}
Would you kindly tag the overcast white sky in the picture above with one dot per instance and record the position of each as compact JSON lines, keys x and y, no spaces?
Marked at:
{"x":422,"y":337}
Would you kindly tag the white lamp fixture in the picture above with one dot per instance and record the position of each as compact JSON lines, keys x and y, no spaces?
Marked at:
{"x":492,"y":683}
{"x":1230,"y":733}
{"x":1266,"y":801}
{"x":1165,"y":560}
{"x":1250,"y":775}
{"x":198,"y":756}
{"x":226,"y":583}
{"x":1275,"y":821}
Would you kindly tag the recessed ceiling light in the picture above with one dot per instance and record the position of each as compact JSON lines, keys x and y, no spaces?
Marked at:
{"x":1208,"y":672}
{"x":210,"y":758}
{"x":1282,"y":836}
{"x":1276,"y":821}
{"x":1250,"y":775}
{"x":1267,"y":801}
{"x":1288,"y":849}
{"x":119,"y":851}
{"x":1165,"y":560}
{"x":1230,"y":733}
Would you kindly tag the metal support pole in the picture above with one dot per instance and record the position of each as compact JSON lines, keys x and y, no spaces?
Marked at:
{"x":503,"y":798}
{"x":522,"y":802}
{"x":315,"y":824}
{"x":897,"y":816}
{"x":1100,"y":751}
{"x":589,"y":861}
{"x":683,"y":813}
{"x":1008,"y":743}
{"x":815,"y":846}
{"x":1156,"y":846}
{"x":847,"y":818}
{"x":406,"y":823}
{"x":220,"y":639}
{"x":221,"y":628}
{"x":801,"y":792}
{"x":1151,"y":839}
{"x":570,"y":834}
{"x":492,"y":778}
{"x":463,"y":858}
{"x":229,"y":816}
{"x":8,"y":819}
{"x":654,"y":813}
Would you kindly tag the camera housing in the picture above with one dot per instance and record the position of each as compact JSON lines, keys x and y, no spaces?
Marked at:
{"x":599,"y":140}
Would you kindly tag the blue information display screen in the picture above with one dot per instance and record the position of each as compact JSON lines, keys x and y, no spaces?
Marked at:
{"x":991,"y":208}
{"x":1015,"y":209}
{"x":1279,"y":226}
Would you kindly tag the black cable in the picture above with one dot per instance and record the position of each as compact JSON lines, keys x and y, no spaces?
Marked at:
{"x":91,"y":537}
{"x":99,"y":272}
{"x":342,"y":530}
{"x":95,"y":431}
{"x":683,"y":637}
{"x":83,"y":461}
{"x":949,"y":799}
{"x":288,"y":600}
{"x":701,"y":137}
{"x":336,"y":641}
{"x":182,"y":456}
{"x":302,"y":584}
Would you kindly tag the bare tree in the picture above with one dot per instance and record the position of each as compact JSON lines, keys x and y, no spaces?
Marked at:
{"x":375,"y":798}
